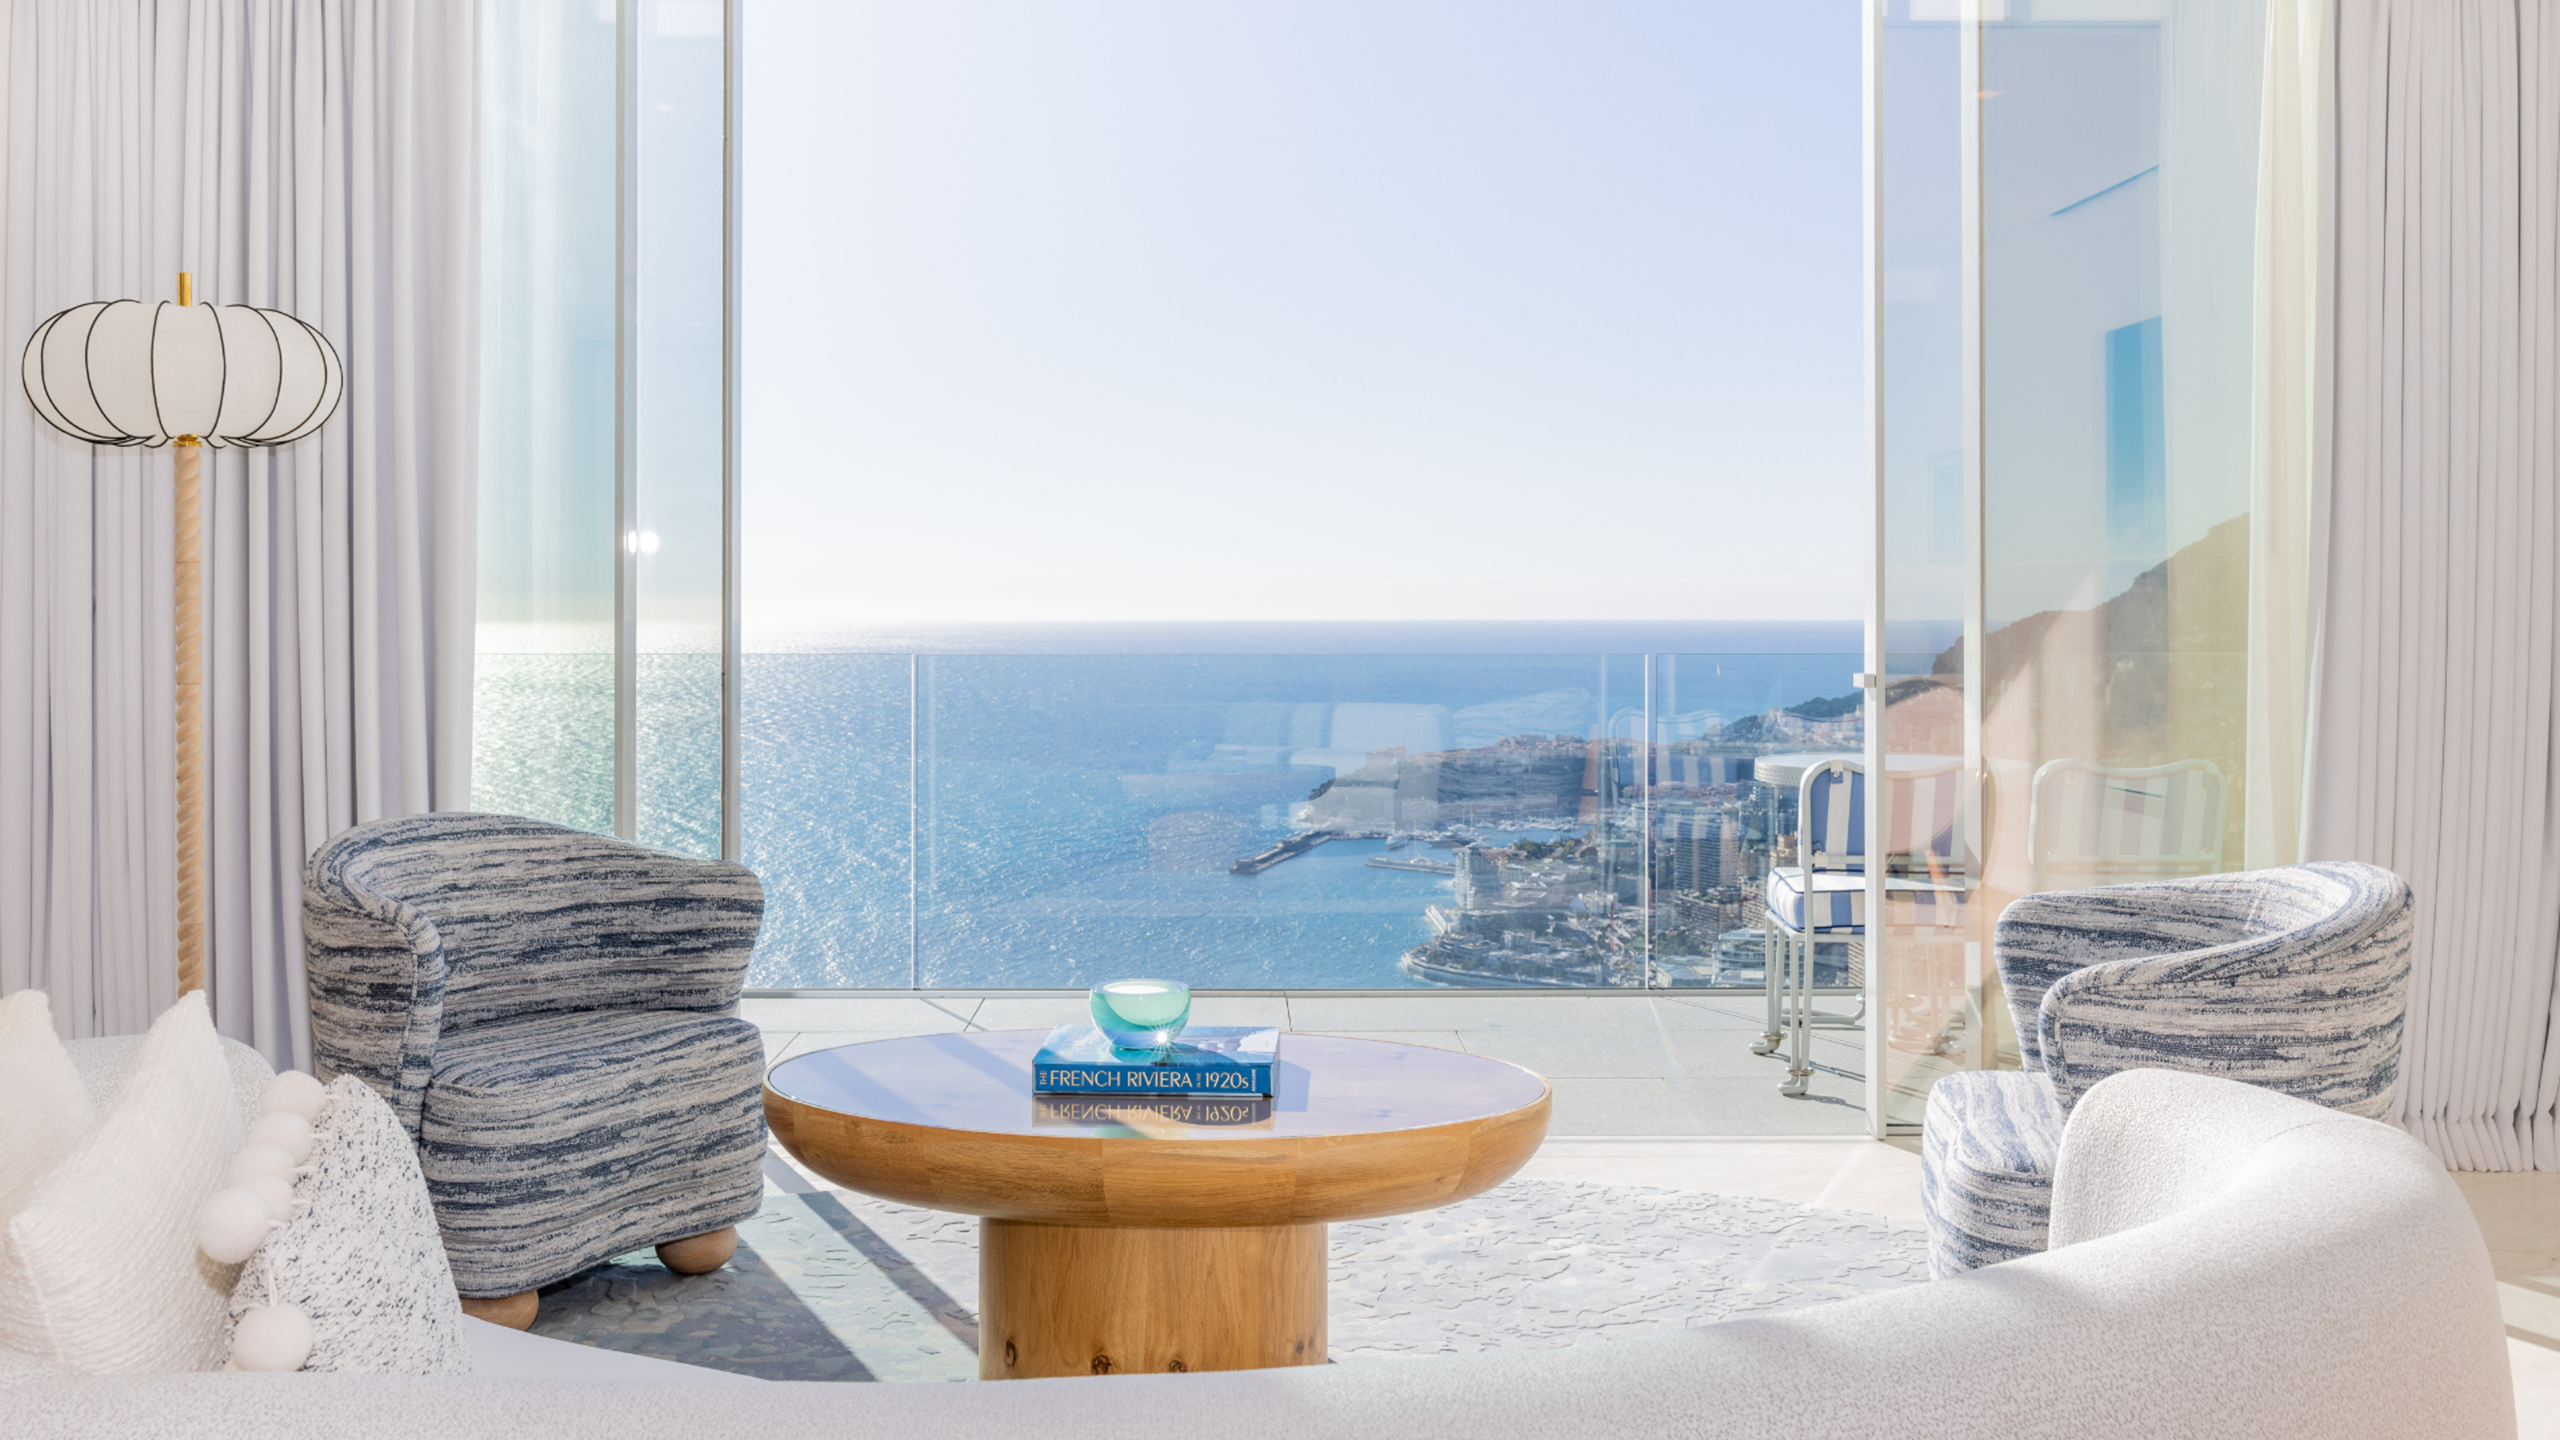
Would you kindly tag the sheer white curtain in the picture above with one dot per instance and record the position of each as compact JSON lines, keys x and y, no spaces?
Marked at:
{"x":2287,"y":404}
{"x":2435,"y":545}
{"x":317,"y":156}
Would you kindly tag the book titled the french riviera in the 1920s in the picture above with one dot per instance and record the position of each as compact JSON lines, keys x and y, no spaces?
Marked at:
{"x":1205,"y":1060}
{"x":1141,"y":1111}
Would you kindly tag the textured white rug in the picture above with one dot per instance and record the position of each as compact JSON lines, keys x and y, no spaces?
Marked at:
{"x":1548,"y":1262}
{"x":830,"y":1285}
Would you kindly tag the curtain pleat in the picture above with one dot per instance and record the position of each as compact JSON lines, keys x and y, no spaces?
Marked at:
{"x":319,"y":157}
{"x":2435,"y":616}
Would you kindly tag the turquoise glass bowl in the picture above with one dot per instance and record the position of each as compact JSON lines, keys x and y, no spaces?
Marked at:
{"x":1141,"y":1014}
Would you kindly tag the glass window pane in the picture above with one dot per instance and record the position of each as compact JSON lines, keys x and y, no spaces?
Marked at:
{"x":542,"y":723}
{"x":1933,"y":953}
{"x":676,"y":543}
{"x":1261,"y":430}
{"x":2096,"y":164}
{"x":2119,"y":203}
{"x":828,"y":741}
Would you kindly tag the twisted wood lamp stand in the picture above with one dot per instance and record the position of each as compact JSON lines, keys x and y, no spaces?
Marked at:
{"x":189,"y":453}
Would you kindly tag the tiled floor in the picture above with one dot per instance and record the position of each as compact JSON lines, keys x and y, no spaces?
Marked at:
{"x":1633,"y":1065}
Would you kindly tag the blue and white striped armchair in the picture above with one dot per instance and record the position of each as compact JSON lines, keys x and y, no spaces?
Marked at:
{"x":553,"y":1016}
{"x":2295,"y":979}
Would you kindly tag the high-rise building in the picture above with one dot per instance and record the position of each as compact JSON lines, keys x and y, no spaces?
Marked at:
{"x":1705,"y":848}
{"x":1479,"y":877}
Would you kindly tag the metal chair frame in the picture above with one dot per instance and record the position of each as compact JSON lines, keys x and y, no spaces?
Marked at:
{"x":1793,"y":1013}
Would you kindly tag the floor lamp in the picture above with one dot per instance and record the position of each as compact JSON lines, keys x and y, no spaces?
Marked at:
{"x":123,"y":372}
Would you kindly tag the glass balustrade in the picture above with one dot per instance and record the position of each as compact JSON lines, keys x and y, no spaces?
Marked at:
{"x":1255,"y":821}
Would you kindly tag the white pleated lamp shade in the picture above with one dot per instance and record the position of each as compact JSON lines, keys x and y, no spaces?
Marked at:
{"x":122,"y":372}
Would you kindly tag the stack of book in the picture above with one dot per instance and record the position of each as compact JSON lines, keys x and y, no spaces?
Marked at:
{"x":1228,"y":1060}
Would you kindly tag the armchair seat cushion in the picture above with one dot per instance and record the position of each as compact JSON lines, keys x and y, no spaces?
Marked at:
{"x":554,"y":1141}
{"x":1986,"y":1167}
{"x":1838,"y":903}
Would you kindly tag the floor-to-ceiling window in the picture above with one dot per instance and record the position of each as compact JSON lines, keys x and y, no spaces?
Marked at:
{"x":1316,"y":495}
{"x":2068,"y":199}
{"x":598,"y":692}
{"x":1298,"y":494}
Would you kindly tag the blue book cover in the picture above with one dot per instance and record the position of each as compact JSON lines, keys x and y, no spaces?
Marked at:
{"x":1206,"y":1060}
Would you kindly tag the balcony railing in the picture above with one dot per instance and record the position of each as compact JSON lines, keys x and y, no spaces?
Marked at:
{"x":1283,"y":822}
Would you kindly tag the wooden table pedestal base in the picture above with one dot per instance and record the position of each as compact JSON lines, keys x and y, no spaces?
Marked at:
{"x":1095,"y":1300}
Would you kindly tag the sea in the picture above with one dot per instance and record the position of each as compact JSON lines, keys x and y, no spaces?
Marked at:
{"x":1049,"y":806}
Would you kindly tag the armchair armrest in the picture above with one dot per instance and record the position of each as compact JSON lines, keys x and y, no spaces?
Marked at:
{"x":2315,"y":1012}
{"x":2040,"y":939}
{"x":2295,"y":980}
{"x":376,"y":972}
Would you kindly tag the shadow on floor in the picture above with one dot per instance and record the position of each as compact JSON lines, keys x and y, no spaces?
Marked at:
{"x":812,"y":1294}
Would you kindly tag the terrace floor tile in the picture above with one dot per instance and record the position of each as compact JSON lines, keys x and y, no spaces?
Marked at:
{"x":1458,"y":1011}
{"x":1627,"y":1052}
{"x":1722,"y":1055}
{"x":1620,"y":1107}
{"x":1270,"y":1010}
{"x":1729,"y":1010}
{"x":1031,"y":1012}
{"x":1754,"y":1107}
{"x":1436,"y":1039}
{"x":923,"y":1015}
{"x":809,"y":1040}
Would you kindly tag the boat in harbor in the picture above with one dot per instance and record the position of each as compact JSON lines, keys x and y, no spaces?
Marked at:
{"x":1289,"y":849}
{"x":1417,"y":867}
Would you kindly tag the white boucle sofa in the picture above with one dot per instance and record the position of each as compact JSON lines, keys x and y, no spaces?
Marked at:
{"x":2225,"y":1262}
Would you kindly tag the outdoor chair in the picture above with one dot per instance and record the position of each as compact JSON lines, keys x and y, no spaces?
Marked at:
{"x":1825,"y":897}
{"x":2090,"y":824}
{"x":2295,"y":979}
{"x":552,"y":1015}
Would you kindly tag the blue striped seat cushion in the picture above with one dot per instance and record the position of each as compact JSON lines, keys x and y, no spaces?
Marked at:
{"x":1986,"y":1167}
{"x":1839,"y":901}
{"x":555,"y":1141}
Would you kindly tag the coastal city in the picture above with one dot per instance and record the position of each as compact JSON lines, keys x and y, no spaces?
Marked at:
{"x":1568,"y":868}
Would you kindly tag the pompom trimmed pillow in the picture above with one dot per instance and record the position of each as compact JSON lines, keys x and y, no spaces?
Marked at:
{"x":354,"y":1278}
{"x":99,"y":1269}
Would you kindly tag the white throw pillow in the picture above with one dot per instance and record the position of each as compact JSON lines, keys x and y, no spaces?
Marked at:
{"x":105,"y":1060}
{"x":43,"y":1106}
{"x":363,"y":1260}
{"x":99,"y":1269}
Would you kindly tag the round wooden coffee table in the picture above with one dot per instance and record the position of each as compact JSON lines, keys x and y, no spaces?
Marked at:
{"x":1119,"y":1237}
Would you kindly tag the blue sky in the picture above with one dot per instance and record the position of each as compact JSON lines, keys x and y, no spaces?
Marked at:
{"x":1173,"y":309}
